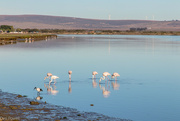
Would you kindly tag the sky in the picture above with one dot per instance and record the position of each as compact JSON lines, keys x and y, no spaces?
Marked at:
{"x":96,"y":9}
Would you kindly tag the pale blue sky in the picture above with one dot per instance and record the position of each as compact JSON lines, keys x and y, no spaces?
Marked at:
{"x":95,"y":9}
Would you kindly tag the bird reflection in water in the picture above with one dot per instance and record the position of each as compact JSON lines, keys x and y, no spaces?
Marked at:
{"x":70,"y":89}
{"x":51,"y":89}
{"x":39,"y":98}
{"x":94,"y":83}
{"x":105,"y":90}
{"x":115,"y":85}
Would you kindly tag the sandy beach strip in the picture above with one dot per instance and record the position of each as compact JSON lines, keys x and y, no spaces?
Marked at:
{"x":18,"y":108}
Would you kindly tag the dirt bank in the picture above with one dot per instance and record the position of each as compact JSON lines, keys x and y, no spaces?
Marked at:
{"x":16,"y":107}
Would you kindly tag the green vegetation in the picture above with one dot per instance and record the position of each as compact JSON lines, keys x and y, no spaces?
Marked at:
{"x":6,"y":28}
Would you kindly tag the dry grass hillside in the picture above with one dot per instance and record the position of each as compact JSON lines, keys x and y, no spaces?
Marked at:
{"x":58,"y":22}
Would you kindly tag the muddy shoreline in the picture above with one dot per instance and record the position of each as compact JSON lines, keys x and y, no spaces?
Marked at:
{"x":18,"y":108}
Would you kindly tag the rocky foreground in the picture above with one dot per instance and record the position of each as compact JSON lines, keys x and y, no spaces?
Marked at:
{"x":16,"y":107}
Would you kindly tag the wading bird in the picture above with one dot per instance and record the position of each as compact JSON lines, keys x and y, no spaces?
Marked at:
{"x":94,"y":73}
{"x":38,"y":90}
{"x":115,"y":74}
{"x":105,"y":74}
{"x":53,"y":77}
{"x":69,"y":72}
{"x":48,"y":76}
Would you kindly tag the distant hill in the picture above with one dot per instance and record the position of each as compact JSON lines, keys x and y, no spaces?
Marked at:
{"x":58,"y":22}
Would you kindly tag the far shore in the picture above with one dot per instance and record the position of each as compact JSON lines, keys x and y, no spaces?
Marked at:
{"x":13,"y":38}
{"x":52,"y":32}
{"x":116,"y":32}
{"x":18,"y":108}
{"x":10,"y":38}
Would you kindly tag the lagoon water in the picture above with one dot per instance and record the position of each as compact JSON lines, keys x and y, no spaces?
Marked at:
{"x":148,"y":88}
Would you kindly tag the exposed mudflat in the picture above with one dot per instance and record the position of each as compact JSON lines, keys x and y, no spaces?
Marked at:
{"x":17,"y":107}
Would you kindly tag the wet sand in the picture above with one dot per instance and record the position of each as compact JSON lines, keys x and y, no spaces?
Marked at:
{"x":16,"y":107}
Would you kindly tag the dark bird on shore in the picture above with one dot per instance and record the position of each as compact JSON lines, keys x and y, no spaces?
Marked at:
{"x":38,"y":89}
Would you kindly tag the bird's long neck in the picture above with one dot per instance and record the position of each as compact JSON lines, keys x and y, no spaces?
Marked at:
{"x":102,"y":78}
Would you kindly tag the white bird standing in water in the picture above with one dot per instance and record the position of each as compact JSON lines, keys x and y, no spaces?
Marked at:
{"x":69,"y":72}
{"x":105,"y":74}
{"x":94,"y":73}
{"x":53,"y":77}
{"x":115,"y":74}
{"x":48,"y":76}
{"x":38,"y":90}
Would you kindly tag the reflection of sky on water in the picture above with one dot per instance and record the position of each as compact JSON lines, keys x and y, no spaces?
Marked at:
{"x":149,"y":68}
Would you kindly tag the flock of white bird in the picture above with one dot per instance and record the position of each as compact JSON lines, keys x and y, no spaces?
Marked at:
{"x":94,"y":73}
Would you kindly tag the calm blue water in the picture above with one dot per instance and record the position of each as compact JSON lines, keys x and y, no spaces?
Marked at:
{"x":148,"y":88}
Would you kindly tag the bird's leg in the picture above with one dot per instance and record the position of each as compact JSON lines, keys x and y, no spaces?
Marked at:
{"x":69,"y":76}
{"x":108,"y":79}
{"x":38,"y":93}
{"x":93,"y":76}
{"x":54,"y":81}
{"x":50,"y":81}
{"x":100,"y":86}
{"x":108,"y":85}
